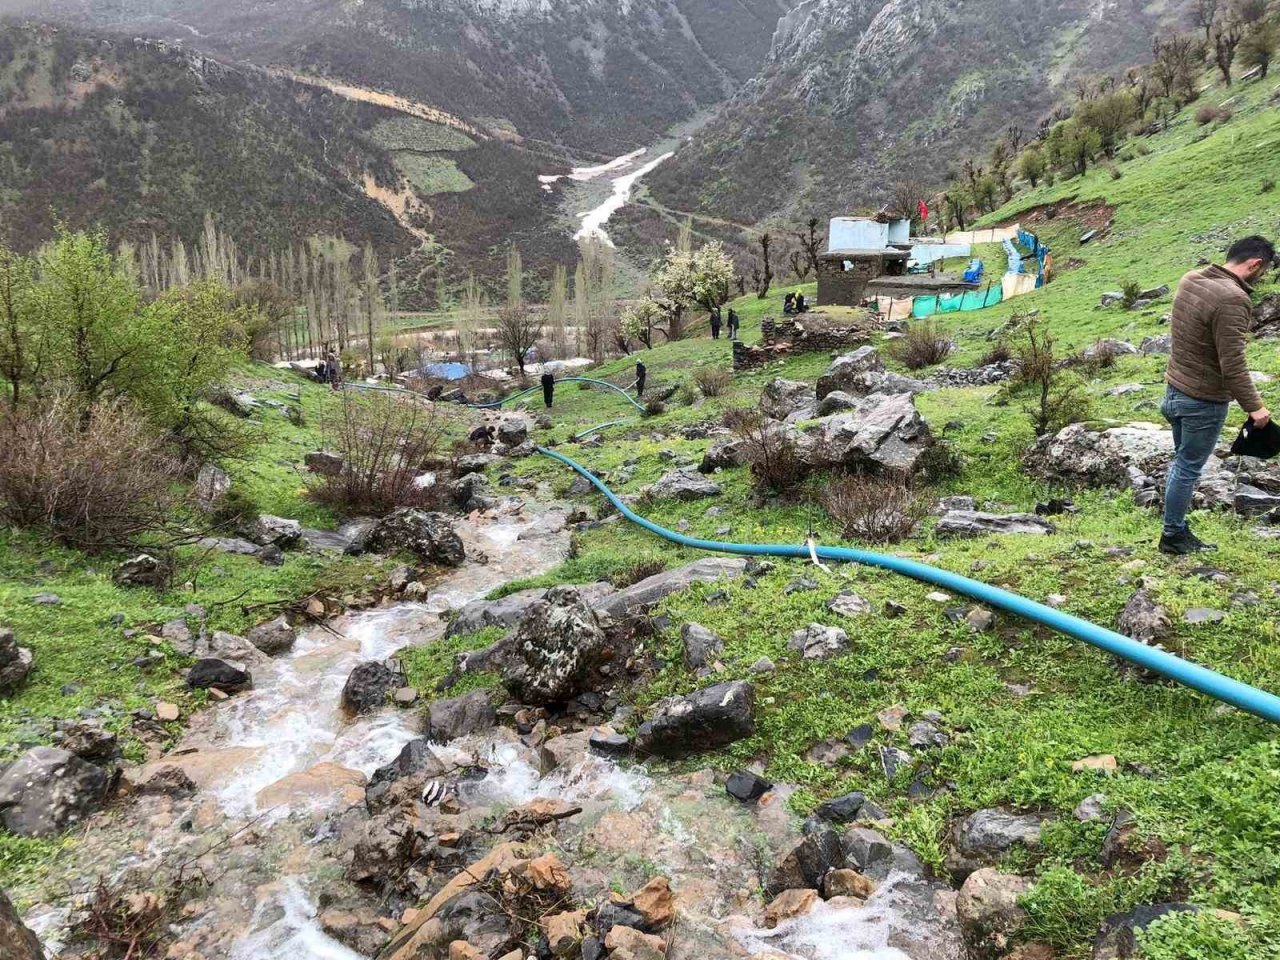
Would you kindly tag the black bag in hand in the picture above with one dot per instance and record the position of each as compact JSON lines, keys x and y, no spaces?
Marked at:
{"x":1255,"y":441}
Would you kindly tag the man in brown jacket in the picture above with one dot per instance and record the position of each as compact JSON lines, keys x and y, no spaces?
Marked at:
{"x":1212,"y":314}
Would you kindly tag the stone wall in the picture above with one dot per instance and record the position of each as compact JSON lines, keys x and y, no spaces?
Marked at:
{"x":840,"y":287}
{"x":807,"y":332}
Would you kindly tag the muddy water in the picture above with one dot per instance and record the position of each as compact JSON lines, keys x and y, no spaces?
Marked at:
{"x":280,"y":771}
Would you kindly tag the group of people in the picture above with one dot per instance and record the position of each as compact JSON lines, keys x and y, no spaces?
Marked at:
{"x":794,"y":303}
{"x":717,"y":322}
{"x":329,"y":370}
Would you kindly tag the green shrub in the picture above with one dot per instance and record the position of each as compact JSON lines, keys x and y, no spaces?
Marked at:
{"x":1194,"y":936}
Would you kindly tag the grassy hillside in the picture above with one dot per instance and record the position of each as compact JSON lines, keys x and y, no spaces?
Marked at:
{"x":141,"y":138}
{"x":1022,"y":704}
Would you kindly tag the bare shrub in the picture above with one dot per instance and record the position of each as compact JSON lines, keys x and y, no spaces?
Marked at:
{"x":712,"y":381}
{"x":1000,"y":353}
{"x":1208,"y":114}
{"x":640,"y":570}
{"x":878,"y":509}
{"x":770,"y":451}
{"x":385,"y":443}
{"x":1054,"y":395}
{"x":921,"y":346}
{"x":96,"y":479}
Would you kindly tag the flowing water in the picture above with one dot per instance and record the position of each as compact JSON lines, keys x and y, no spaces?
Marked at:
{"x":280,"y":770}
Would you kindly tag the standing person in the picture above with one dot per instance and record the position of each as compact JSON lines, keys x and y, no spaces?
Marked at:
{"x":640,"y":374}
{"x":1212,"y":314}
{"x":333,"y":365}
{"x":548,"y":388}
{"x":734,"y":322}
{"x":715,"y":324}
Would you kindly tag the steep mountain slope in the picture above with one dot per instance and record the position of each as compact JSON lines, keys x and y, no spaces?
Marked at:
{"x":598,"y":75}
{"x":857,"y":93}
{"x":141,"y":137}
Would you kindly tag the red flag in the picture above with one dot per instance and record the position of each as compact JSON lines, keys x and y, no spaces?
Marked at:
{"x":923,"y":209}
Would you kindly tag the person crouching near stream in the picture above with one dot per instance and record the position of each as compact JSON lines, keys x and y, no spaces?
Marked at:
{"x":1212,"y":315}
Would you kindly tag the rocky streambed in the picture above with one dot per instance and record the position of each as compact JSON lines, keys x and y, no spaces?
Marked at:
{"x":284,"y":826}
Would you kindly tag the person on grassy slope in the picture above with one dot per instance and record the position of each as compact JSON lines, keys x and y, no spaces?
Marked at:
{"x":1212,"y":314}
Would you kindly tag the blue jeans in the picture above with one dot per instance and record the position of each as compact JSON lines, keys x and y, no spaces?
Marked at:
{"x":1197,"y":425}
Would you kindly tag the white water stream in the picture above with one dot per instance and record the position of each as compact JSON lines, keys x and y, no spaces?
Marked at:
{"x":277,"y":767}
{"x":592,"y":221}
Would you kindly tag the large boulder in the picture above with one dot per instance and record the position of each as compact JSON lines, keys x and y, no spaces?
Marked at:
{"x":509,"y":610}
{"x":983,"y":837}
{"x":210,"y":673}
{"x":15,"y":663}
{"x":273,"y":636}
{"x":47,"y":790}
{"x":699,"y":721}
{"x":975,"y":523}
{"x":682,"y":484}
{"x":549,"y":654}
{"x":807,"y":862}
{"x":429,"y":536}
{"x":885,"y":431}
{"x":641,"y":597}
{"x":989,"y":912}
{"x":856,"y":373}
{"x":367,"y":686}
{"x":782,"y":399}
{"x":276,"y":531}
{"x":1081,"y":454}
{"x":729,"y":452}
{"x":861,"y":373}
{"x":458,"y":716}
{"x":513,"y":431}
{"x":16,"y":941}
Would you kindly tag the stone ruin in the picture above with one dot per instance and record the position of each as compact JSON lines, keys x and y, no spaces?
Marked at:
{"x":814,"y":331}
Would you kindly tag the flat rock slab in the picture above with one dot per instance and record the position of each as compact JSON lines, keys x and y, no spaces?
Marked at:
{"x":642,"y":596}
{"x":976,"y":523}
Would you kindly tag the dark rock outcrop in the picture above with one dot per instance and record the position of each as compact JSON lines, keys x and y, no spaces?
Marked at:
{"x":549,"y":654}
{"x":15,"y":663}
{"x":212,"y":672}
{"x":459,"y":716}
{"x":699,"y":721}
{"x":367,"y":686}
{"x":273,"y":637}
{"x":16,"y":941}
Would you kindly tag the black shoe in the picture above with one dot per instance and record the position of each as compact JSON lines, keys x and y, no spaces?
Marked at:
{"x":1180,"y":544}
{"x":1200,"y":544}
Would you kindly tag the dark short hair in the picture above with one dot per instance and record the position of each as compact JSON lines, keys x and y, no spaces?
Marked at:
{"x":1252,"y":248}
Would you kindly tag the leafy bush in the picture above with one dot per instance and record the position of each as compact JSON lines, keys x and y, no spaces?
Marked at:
{"x":1130,"y":293}
{"x":96,"y":479}
{"x":385,"y":442}
{"x":877,"y":509}
{"x":1267,"y":186}
{"x":770,"y":451}
{"x":712,"y":381}
{"x":1194,"y":936}
{"x":921,"y":346}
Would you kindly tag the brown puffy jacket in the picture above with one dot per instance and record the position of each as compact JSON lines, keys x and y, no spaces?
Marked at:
{"x":1212,"y":314}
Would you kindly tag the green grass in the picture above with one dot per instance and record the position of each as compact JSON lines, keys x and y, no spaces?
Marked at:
{"x":432,"y":174}
{"x":1199,"y":778}
{"x":421,"y":136}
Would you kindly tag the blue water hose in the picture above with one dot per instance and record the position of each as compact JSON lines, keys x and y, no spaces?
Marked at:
{"x":1242,"y":695}
{"x":600,"y":383}
{"x":599,"y":426}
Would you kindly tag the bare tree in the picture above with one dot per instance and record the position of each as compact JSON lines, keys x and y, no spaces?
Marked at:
{"x":1226,"y":37}
{"x":810,"y":241}
{"x":1204,"y":14}
{"x":1175,"y":64}
{"x":800,"y":265}
{"x":905,"y":200}
{"x":519,"y":330}
{"x":762,"y":269}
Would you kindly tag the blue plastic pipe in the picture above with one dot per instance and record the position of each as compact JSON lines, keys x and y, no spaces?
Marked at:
{"x":1247,"y":698}
{"x":600,"y":383}
{"x":599,"y":426}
